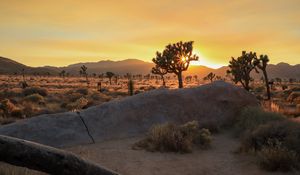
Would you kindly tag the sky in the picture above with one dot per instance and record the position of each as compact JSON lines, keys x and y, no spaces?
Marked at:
{"x":62,"y":32}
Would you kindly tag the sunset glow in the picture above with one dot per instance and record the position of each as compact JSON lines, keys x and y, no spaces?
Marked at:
{"x":63,"y":32}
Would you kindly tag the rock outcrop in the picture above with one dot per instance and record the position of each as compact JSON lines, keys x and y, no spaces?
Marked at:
{"x":132,"y":116}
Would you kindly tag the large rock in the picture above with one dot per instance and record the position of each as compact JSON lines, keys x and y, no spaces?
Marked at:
{"x":131,"y":116}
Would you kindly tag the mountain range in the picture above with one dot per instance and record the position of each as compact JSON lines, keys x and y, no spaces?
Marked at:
{"x":135,"y":66}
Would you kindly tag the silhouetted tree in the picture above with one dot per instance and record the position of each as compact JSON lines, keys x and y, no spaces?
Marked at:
{"x":160,"y":71}
{"x":176,"y":58}
{"x":83,"y":72}
{"x":210,"y":77}
{"x":130,"y":87}
{"x":62,"y":74}
{"x":23,"y":83}
{"x":262,"y":64}
{"x":109,"y":76}
{"x":241,"y":67}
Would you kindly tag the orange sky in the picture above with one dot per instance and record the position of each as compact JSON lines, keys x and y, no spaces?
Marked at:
{"x":61,"y":32}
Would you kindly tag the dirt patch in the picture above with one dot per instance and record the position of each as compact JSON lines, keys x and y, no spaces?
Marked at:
{"x":220,"y":159}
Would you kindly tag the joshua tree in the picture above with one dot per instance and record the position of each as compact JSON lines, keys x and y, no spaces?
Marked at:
{"x":210,"y":77}
{"x":23,"y":83}
{"x":116,"y":78}
{"x":109,"y":76}
{"x":241,"y":67}
{"x":83,"y":72}
{"x":160,"y":71}
{"x":176,"y":58}
{"x":219,"y":78}
{"x":262,"y":64}
{"x":62,"y":74}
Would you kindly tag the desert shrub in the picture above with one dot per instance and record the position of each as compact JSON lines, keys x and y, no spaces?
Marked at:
{"x":29,"y":110}
{"x":79,"y":104}
{"x":74,"y":96}
{"x":203,"y":138}
{"x":7,"y":106}
{"x":35,"y":90}
{"x":10,"y":93}
{"x":82,"y":91}
{"x":251,"y":117}
{"x":287,"y":132}
{"x":275,"y":157}
{"x":17,"y":113}
{"x":174,"y":138}
{"x":34,"y":98}
{"x":293,"y":96}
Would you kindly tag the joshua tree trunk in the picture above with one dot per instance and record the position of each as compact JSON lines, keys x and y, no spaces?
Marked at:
{"x":87,"y":80}
{"x":46,"y":159}
{"x":179,"y":75}
{"x":163,"y":79}
{"x":267,"y":84}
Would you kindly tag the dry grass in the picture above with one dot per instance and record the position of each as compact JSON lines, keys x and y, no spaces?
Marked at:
{"x":173,"y":138}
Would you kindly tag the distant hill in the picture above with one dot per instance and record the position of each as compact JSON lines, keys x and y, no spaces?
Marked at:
{"x":9,"y":66}
{"x":135,"y":66}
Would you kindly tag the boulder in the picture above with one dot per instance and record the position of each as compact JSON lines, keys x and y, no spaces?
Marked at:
{"x":132,"y":116}
{"x":46,"y":159}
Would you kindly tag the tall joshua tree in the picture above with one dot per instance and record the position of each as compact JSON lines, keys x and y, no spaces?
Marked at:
{"x":241,"y":67}
{"x":159,"y":71}
{"x":262,"y":63}
{"x":176,"y":59}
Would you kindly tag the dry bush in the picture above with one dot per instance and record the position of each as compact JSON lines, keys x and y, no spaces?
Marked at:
{"x":173,"y":138}
{"x":79,"y":104}
{"x":251,"y":117}
{"x":35,"y":90}
{"x":17,"y":113}
{"x":275,"y":157}
{"x":82,"y":91}
{"x":7,"y":106}
{"x":29,"y":109}
{"x":274,"y":139}
{"x":34,"y":98}
{"x":287,"y":132}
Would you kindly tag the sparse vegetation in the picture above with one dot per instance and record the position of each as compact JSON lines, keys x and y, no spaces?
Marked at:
{"x":273,"y":138}
{"x":275,"y":157}
{"x":211,"y":76}
{"x":251,"y":117}
{"x":35,"y":90}
{"x":174,"y":138}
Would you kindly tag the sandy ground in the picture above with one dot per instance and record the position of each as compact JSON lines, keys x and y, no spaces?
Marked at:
{"x":220,"y":159}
